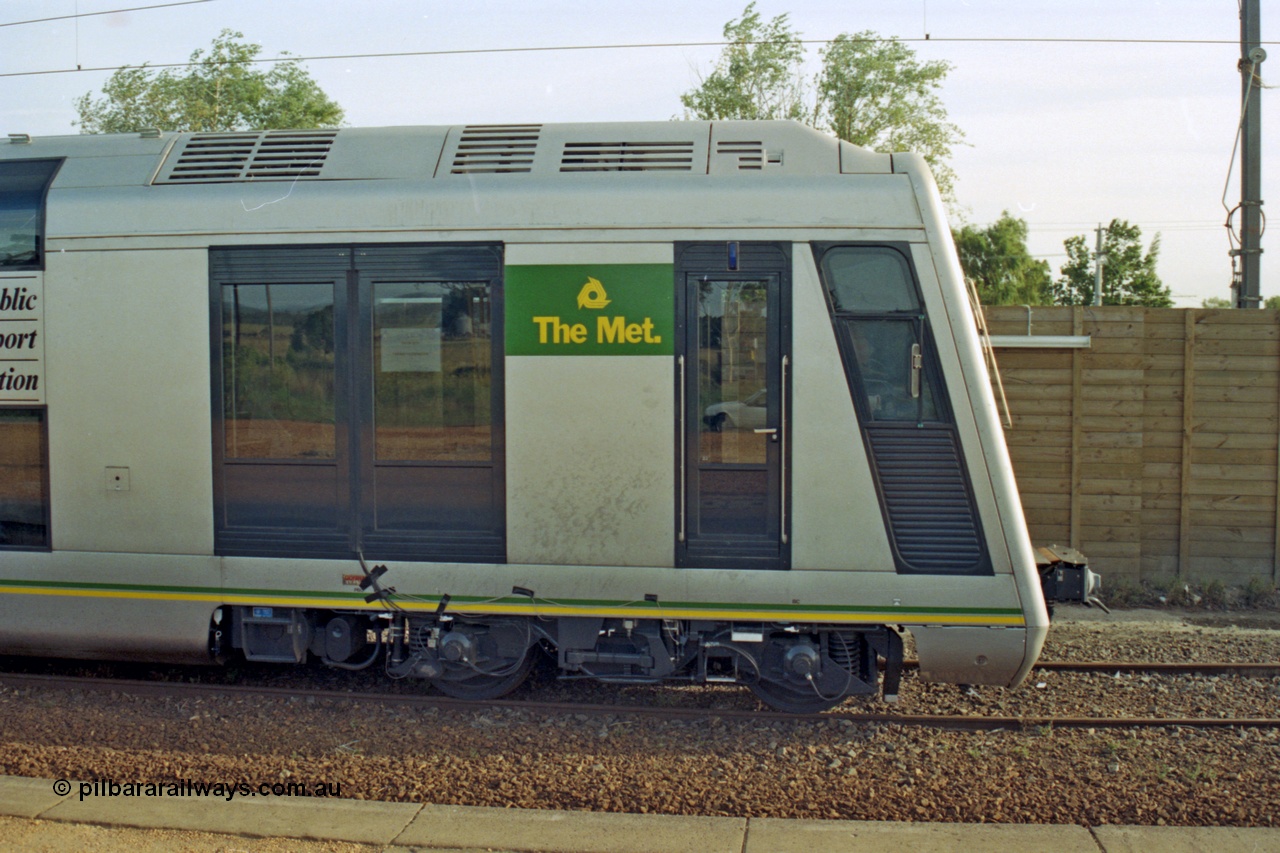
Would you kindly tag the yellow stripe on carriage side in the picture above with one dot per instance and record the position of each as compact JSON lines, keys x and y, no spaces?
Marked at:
{"x":109,"y":593}
{"x":762,"y":615}
{"x":209,"y":597}
{"x":533,"y":609}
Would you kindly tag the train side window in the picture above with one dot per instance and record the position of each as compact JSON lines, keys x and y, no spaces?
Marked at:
{"x":24,"y":480}
{"x":869,"y":279}
{"x":23,"y":184}
{"x":358,"y":399}
{"x":890,"y":365}
{"x":432,"y":371}
{"x":278,"y":371}
{"x":877,"y":311}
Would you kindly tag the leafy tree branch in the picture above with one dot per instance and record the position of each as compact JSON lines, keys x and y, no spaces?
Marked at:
{"x":222,"y":90}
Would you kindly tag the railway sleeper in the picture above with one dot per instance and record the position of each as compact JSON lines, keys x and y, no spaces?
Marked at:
{"x":790,"y":667}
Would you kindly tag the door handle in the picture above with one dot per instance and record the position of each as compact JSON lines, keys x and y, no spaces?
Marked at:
{"x":683,"y":485}
{"x":917,"y":364}
{"x":782,"y":451}
{"x":768,"y":431}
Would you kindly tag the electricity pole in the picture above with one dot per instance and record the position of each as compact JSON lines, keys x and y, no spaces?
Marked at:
{"x":1098,"y":261}
{"x":1248,"y":293}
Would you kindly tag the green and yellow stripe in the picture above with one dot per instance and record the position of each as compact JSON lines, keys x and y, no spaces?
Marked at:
{"x":523,"y":606}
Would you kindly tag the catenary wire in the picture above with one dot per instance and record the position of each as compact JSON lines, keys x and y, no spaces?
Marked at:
{"x":602,"y":47}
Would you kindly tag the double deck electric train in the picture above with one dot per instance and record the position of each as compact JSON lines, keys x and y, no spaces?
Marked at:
{"x":698,"y":401}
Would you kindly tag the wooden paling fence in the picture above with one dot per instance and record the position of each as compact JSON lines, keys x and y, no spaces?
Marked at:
{"x":1155,"y":449}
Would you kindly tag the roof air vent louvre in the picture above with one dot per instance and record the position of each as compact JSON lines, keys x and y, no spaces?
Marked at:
{"x":750,"y":154}
{"x":213,"y":157}
{"x":277,"y":155}
{"x":285,"y":154}
{"x":488,"y":149}
{"x":627,"y":157}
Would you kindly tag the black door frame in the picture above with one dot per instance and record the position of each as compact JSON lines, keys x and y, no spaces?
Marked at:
{"x":733,"y":261}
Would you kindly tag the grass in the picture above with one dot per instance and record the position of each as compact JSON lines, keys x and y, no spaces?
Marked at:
{"x":1172,"y":591}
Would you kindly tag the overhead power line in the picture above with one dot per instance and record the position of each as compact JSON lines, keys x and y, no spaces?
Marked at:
{"x":79,"y":15}
{"x":1162,"y":226}
{"x":601,"y":47}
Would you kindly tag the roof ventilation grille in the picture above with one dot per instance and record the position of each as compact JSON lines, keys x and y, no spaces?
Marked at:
{"x":627,"y":157}
{"x":277,"y":155}
{"x":489,"y":149}
{"x":290,"y":154}
{"x":750,"y":154}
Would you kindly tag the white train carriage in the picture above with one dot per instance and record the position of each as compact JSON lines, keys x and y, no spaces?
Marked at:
{"x":675,"y":400}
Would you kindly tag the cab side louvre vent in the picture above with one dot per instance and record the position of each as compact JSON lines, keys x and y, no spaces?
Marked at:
{"x":278,"y":155}
{"x":627,"y":157}
{"x":931,"y":514}
{"x":488,"y":149}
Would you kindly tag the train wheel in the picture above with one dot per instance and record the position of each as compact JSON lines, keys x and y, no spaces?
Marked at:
{"x":793,"y":699}
{"x":465,"y":683}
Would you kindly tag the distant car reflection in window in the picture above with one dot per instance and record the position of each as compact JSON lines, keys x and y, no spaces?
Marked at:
{"x":750,"y":413}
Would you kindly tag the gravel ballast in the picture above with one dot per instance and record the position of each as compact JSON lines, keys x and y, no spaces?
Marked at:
{"x":514,"y":757}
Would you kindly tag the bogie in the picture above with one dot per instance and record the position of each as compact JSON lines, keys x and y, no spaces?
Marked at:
{"x":790,"y":668}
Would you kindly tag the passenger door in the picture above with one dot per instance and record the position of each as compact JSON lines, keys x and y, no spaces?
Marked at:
{"x":733,"y":359}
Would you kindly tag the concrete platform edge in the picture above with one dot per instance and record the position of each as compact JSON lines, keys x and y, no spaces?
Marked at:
{"x":426,"y":826}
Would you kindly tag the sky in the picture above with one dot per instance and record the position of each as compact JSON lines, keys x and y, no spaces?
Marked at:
{"x":1075,"y":112}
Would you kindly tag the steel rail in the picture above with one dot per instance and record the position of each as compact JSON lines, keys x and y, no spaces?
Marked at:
{"x":1252,"y":670}
{"x":1249,"y":670}
{"x":963,"y":722}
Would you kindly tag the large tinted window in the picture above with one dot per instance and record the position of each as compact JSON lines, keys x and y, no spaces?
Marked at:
{"x":22,"y":189}
{"x":869,"y":279}
{"x":432,"y":371}
{"x":24,"y":479}
{"x":277,"y":371}
{"x":877,"y":310}
{"x":360,"y":393}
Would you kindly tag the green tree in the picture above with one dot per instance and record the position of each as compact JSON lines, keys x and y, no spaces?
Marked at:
{"x":222,"y":90}
{"x":758,"y":76}
{"x":1128,"y":273}
{"x":996,"y":259}
{"x":874,"y":93}
{"x":1272,"y":303}
{"x":871,"y":91}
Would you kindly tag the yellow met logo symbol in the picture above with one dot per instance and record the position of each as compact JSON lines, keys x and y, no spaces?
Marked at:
{"x":610,"y":331}
{"x":592,"y":295}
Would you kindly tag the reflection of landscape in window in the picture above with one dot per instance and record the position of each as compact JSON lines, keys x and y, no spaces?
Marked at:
{"x":875,"y":299}
{"x":22,"y":185}
{"x":22,"y":489}
{"x":17,"y":238}
{"x":278,"y":371}
{"x":432,"y":371}
{"x":882,"y":350}
{"x":732,"y":341}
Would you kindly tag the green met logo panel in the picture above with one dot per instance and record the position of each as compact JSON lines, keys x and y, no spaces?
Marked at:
{"x":590,"y":309}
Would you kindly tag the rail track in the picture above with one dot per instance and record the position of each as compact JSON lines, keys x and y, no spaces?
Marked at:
{"x":963,"y":722}
{"x":1243,"y":670}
